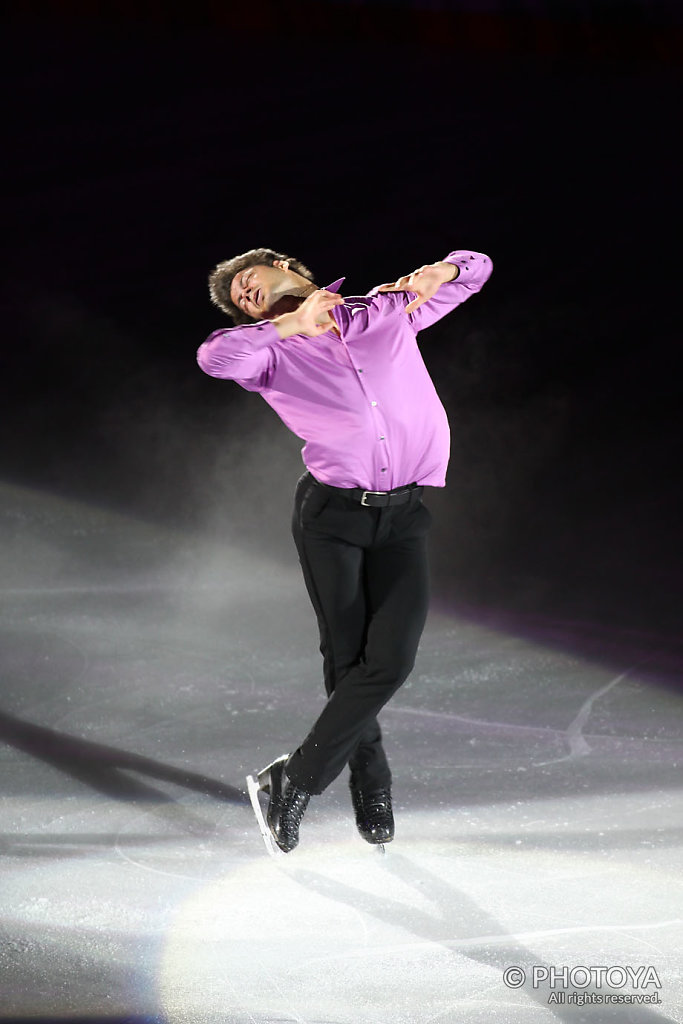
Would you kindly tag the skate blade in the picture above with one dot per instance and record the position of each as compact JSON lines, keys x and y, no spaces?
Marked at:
{"x":271,"y":846}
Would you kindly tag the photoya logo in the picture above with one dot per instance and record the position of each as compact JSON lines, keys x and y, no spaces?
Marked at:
{"x":562,"y":984}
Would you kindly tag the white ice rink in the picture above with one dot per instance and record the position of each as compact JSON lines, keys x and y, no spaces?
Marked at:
{"x":537,"y":783}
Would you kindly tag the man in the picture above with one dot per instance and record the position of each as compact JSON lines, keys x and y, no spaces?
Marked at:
{"x":346,"y":376}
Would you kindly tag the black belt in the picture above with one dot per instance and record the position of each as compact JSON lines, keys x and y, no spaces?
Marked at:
{"x":375,"y":499}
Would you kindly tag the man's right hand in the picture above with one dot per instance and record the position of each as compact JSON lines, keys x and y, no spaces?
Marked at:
{"x":312,"y":317}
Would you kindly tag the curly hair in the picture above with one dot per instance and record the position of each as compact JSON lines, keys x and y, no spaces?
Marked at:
{"x":221,"y":277}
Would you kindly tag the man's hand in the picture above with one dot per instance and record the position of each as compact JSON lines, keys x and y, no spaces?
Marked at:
{"x":425,"y":282}
{"x":312,"y":317}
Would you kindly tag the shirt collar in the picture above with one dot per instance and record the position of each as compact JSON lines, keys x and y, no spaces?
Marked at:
{"x":336,"y":285}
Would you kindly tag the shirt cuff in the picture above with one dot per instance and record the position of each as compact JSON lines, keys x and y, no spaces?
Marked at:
{"x":474,"y":267}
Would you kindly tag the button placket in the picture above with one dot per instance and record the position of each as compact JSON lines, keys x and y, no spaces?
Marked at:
{"x":383,"y":459}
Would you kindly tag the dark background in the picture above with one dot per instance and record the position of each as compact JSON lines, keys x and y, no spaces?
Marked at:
{"x":145,"y":143}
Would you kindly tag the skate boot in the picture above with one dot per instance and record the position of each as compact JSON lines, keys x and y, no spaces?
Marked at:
{"x":374,"y":816}
{"x":286,"y":804}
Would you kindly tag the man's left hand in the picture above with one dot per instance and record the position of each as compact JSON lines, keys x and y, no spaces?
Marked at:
{"x":425,"y":282}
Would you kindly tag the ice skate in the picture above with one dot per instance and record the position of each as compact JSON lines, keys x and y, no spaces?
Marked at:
{"x":374,"y":816}
{"x":286,"y":806}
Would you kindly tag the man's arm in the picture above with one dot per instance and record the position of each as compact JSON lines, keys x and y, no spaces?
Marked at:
{"x":238,"y":353}
{"x":244,"y":353}
{"x":423,"y":282}
{"x":435,"y":289}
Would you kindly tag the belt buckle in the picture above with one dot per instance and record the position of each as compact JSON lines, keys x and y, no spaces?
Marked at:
{"x":365,"y":494}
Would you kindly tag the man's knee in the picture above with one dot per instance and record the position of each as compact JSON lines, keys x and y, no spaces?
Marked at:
{"x":391,"y":667}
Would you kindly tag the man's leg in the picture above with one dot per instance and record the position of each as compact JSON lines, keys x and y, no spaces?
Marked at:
{"x":335,"y":575}
{"x":396,"y":591}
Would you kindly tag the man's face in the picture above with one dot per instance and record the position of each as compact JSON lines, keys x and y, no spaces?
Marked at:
{"x":255,"y":290}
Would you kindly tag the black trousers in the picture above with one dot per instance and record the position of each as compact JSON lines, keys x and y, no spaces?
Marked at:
{"x":366,"y":573}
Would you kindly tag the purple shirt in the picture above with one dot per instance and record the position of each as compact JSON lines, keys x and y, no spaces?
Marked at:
{"x":364,"y":404}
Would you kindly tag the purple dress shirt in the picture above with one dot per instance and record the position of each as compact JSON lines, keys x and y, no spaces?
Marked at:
{"x":364,"y":403}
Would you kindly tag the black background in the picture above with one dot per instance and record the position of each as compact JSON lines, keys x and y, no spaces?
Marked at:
{"x":144,"y":145}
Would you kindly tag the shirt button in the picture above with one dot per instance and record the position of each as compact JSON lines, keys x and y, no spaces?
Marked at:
{"x":381,"y":437}
{"x":360,"y":371}
{"x":373,"y":403}
{"x":383,"y":470}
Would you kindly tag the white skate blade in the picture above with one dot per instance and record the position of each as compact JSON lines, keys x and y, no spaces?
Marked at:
{"x":254,"y":789}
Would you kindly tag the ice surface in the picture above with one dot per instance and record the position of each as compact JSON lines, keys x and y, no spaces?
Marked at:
{"x":537,"y":788}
